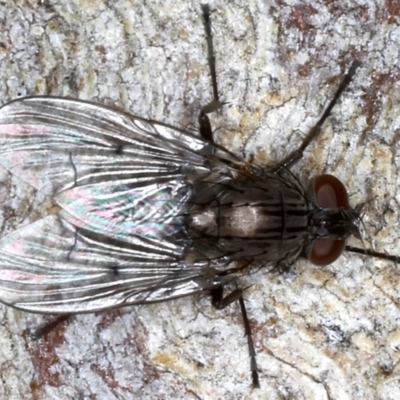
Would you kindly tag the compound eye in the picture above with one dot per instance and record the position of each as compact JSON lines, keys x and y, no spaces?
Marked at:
{"x":329,"y":192}
{"x":325,"y":251}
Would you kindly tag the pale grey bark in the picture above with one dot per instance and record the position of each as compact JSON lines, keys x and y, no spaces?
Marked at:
{"x":328,"y":333}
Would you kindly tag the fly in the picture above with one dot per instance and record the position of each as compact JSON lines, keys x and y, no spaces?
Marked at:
{"x":148,"y":212}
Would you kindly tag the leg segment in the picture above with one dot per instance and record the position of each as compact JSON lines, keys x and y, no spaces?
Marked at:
{"x":220,"y":302}
{"x":296,"y":155}
{"x":204,"y":121}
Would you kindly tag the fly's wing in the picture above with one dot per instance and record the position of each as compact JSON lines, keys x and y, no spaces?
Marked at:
{"x":123,"y":185}
{"x":55,"y":144}
{"x":51,"y":266}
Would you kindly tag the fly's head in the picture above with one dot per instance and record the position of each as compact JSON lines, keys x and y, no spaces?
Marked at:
{"x":332,"y":220}
{"x":336,"y":223}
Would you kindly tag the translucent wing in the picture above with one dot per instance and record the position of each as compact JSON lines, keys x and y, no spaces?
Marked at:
{"x":52,"y":266}
{"x":55,"y":144}
{"x":122,"y":184}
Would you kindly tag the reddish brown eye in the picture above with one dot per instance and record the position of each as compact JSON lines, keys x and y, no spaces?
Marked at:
{"x":326,"y":251}
{"x":330,"y":192}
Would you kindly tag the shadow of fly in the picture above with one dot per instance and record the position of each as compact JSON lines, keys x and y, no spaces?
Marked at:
{"x":147,"y":212}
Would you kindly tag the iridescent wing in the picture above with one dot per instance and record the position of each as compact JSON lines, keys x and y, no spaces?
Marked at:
{"x":122,"y":184}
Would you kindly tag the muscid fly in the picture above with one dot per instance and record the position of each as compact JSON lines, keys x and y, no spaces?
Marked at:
{"x":145,"y":212}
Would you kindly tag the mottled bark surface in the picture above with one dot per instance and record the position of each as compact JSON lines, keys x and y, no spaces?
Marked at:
{"x":320,"y":333}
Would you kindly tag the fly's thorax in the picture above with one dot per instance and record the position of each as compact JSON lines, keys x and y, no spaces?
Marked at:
{"x":264,"y":219}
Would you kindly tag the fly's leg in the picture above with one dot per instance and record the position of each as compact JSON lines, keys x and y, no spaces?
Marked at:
{"x":204,"y":121}
{"x":372,"y":253}
{"x":296,"y":155}
{"x":210,"y":51}
{"x":50,"y":326}
{"x":250,"y":344}
{"x":220,"y":302}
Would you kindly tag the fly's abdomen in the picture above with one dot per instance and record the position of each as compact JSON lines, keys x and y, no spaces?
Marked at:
{"x":264,"y":220}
